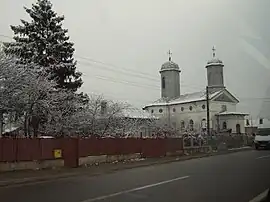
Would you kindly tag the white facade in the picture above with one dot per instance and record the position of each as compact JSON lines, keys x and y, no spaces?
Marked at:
{"x":177,"y":114}
{"x":188,"y":112}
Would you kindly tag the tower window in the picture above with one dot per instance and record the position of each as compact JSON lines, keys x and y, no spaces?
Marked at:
{"x":163,"y":82}
{"x":160,"y":110}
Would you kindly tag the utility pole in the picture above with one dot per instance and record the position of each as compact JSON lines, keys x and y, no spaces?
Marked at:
{"x":207,"y":109}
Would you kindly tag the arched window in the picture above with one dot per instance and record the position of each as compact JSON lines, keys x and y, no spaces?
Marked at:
{"x":160,"y":110}
{"x":238,"y":129}
{"x":247,"y":122}
{"x":203,"y":124}
{"x":224,"y":125}
{"x":182,"y":125}
{"x":191,"y":124}
{"x":163,"y":82}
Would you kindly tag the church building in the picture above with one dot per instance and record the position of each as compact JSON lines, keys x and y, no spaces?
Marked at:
{"x":188,"y":112}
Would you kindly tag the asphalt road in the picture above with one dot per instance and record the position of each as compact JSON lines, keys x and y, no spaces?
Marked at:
{"x":236,"y":177}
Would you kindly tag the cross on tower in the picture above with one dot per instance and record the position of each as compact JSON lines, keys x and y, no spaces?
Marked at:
{"x":170,"y":55}
{"x":214,"y":51}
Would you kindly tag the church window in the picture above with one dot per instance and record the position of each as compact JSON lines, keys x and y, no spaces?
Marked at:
{"x":261,"y":121}
{"x":182,"y":125}
{"x":247,"y":122}
{"x":203,"y":123}
{"x":160,"y":110}
{"x":224,"y":125}
{"x":152,"y":111}
{"x":182,"y":108}
{"x":223,"y":108}
{"x":238,"y":129}
{"x":203,"y":106}
{"x":174,"y":110}
{"x":190,"y":108}
{"x":191,"y":124}
{"x":163,"y":82}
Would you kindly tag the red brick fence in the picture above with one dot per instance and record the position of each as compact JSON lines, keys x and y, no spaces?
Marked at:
{"x":72,"y":149}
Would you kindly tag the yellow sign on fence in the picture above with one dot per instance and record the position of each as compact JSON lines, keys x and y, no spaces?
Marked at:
{"x":57,"y":153}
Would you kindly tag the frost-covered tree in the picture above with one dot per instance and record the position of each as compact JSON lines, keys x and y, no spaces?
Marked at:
{"x":30,"y":98}
{"x":43,"y":41}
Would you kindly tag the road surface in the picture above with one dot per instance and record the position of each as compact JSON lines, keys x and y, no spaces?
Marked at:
{"x":236,"y":177}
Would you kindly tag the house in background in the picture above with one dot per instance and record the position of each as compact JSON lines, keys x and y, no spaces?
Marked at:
{"x":253,"y":126}
{"x":187,"y":112}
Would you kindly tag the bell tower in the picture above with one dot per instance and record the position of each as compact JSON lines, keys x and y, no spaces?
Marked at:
{"x":170,"y":79}
{"x":215,"y":79}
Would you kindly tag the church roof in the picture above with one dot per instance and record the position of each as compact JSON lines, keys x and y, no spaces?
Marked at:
{"x":169,"y":65}
{"x":186,"y":98}
{"x":231,"y":113}
{"x":214,"y":61}
{"x":137,"y":114}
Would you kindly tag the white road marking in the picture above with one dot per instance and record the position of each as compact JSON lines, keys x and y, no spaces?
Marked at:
{"x":260,"y":196}
{"x":262,"y":157}
{"x":135,"y":189}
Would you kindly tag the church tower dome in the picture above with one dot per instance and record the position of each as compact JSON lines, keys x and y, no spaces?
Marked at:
{"x":215,"y":80}
{"x":170,"y":79}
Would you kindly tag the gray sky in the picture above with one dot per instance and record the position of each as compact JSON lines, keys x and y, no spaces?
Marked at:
{"x":135,"y":36}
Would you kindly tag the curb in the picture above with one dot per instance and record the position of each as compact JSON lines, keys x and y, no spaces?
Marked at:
{"x":8,"y":183}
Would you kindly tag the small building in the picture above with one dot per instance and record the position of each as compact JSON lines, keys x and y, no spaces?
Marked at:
{"x":253,"y":126}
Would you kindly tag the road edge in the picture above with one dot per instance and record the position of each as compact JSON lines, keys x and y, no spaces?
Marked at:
{"x":148,"y":162}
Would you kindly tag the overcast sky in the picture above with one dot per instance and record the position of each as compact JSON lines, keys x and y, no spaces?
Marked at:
{"x":132,"y":37}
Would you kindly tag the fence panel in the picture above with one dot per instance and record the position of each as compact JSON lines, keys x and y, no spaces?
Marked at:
{"x":89,"y":147}
{"x":153,"y":147}
{"x":28,"y":149}
{"x":70,"y":152}
{"x":8,"y":147}
{"x":1,"y":150}
{"x":47,"y":147}
{"x":174,"y":144}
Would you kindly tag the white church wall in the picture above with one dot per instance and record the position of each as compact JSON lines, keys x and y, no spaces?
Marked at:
{"x":195,"y":111}
{"x":217,"y":106}
{"x":232,"y":121}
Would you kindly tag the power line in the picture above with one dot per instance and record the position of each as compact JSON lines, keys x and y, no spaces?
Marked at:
{"x":114,"y":66}
{"x":5,"y":36}
{"x":126,"y":71}
{"x":256,"y":98}
{"x":118,"y":71}
{"x":138,"y":76}
{"x":117,"y":97}
{"x":126,"y":82}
